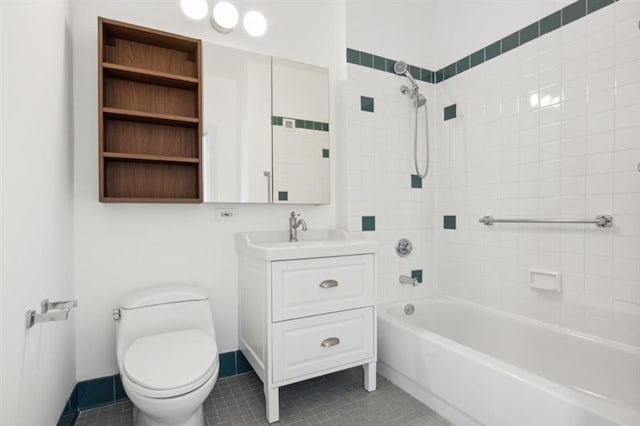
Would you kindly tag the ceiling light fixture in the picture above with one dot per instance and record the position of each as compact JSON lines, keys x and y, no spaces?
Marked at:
{"x":224,"y":17}
{"x":194,"y":9}
{"x":255,"y":23}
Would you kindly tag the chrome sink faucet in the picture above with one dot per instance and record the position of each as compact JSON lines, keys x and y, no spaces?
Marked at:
{"x":294,"y":224}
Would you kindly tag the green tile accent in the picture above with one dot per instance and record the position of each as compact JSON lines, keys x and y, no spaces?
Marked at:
{"x":366,"y":59}
{"x":353,"y":56}
{"x":593,"y":5}
{"x":510,"y":42}
{"x":366,"y":104}
{"x":492,"y":50}
{"x":463,"y":64}
{"x":449,"y":71}
{"x":415,"y":72}
{"x":417,"y":274}
{"x":390,"y":64}
{"x":529,"y":33}
{"x":119,"y":392}
{"x":302,"y":124}
{"x":574,"y":11}
{"x":450,"y":112}
{"x":95,"y":392}
{"x":325,"y":153}
{"x":242,"y":364}
{"x":227,"y":364}
{"x":440,"y":75}
{"x":368,"y":223}
{"x":380,"y":63}
{"x":477,"y":58}
{"x":416,"y":182}
{"x":283,"y":196}
{"x":427,"y":76}
{"x":449,"y":222}
{"x":551,"y":22}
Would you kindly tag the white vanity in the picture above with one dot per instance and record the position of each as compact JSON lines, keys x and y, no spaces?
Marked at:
{"x":306,"y":308}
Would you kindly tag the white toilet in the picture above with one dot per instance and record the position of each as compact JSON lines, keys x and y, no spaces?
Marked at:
{"x":167,"y":354}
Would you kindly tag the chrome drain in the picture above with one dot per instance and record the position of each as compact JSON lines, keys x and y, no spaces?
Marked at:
{"x":409,"y":309}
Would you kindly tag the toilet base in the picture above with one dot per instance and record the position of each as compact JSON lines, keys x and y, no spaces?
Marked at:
{"x":142,"y":419}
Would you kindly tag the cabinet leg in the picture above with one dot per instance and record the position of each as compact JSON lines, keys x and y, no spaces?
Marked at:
{"x":370,"y":376}
{"x":272,"y":402}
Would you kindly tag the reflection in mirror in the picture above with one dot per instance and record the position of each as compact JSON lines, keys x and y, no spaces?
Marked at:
{"x":237,"y":125}
{"x":300,"y":133}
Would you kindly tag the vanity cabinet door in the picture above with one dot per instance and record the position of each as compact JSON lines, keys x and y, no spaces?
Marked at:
{"x":310,"y":345}
{"x":308,"y":287}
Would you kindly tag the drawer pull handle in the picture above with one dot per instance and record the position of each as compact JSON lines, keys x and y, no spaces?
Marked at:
{"x":329,"y":284}
{"x":331,"y":341}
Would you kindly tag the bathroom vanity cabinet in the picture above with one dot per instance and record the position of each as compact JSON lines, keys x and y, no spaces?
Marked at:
{"x":305,"y":309}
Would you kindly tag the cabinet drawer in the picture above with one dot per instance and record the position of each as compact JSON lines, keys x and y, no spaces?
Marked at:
{"x":308,"y":287}
{"x":309,"y":345}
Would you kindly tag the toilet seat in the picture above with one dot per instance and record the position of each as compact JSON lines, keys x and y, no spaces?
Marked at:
{"x":170,"y":364}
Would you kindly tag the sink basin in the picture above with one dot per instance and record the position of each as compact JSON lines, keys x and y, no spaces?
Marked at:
{"x":275,"y":245}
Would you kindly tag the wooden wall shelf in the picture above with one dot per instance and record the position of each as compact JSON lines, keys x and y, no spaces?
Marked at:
{"x":150,"y":112}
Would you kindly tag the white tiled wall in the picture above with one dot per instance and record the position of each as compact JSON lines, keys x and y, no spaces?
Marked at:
{"x":550,"y":129}
{"x":379,"y":153}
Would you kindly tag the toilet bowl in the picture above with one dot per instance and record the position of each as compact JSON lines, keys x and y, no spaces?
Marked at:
{"x":167,"y":354}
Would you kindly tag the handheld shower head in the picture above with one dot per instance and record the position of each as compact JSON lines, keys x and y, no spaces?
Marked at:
{"x":401,"y":68}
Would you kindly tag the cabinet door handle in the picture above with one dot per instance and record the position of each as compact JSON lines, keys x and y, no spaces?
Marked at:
{"x":331,"y":341}
{"x":329,"y":284}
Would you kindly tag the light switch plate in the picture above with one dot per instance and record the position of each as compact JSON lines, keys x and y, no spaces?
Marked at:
{"x":226,"y":215}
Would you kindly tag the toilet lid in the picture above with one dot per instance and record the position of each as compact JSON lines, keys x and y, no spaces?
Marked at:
{"x":178,"y":360}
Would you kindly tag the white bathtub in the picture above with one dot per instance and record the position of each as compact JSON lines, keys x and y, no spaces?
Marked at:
{"x":476,"y":365}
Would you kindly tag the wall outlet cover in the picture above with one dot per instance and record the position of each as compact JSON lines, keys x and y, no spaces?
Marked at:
{"x":226,"y":215}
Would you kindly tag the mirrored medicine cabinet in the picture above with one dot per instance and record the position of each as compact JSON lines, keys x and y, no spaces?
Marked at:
{"x":265,"y":129}
{"x":184,"y":121}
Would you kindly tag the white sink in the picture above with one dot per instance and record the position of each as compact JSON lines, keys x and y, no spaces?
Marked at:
{"x":275,"y":245}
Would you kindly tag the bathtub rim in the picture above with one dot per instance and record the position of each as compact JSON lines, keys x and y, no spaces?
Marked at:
{"x":610,"y":409}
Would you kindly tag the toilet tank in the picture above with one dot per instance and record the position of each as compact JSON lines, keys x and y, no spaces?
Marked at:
{"x":161,"y":309}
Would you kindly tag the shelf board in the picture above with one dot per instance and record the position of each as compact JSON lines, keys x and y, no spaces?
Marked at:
{"x":150,"y":117}
{"x":151,"y":158}
{"x":147,"y":76}
{"x":148,"y":200}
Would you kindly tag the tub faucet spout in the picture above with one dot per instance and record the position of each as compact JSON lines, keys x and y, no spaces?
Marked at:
{"x":406,"y":280}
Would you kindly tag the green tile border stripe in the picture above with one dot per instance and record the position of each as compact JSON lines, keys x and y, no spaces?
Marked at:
{"x":301,"y":124}
{"x":108,"y":390}
{"x":568,"y":14}
{"x":380,"y":63}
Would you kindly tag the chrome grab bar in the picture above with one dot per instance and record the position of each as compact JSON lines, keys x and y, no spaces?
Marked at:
{"x":329,"y":284}
{"x":331,"y":341}
{"x":601,"y":221}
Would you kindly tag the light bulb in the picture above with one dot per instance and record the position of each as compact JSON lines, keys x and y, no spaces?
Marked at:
{"x":224,"y":16}
{"x":194,"y":9}
{"x":255,"y":23}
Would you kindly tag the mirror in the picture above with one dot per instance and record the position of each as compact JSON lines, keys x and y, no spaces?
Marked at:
{"x":266,"y":129}
{"x":300,"y":140}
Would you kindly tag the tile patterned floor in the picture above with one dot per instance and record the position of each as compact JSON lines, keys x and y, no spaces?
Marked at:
{"x":336,"y":399}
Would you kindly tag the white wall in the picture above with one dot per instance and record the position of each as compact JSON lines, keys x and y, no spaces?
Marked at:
{"x":434,"y":33}
{"x":122,"y":247}
{"x":379,"y":156}
{"x":38,"y":371}
{"x":548,"y":130}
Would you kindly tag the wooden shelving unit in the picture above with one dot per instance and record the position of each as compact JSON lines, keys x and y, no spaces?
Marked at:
{"x":150,"y":112}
